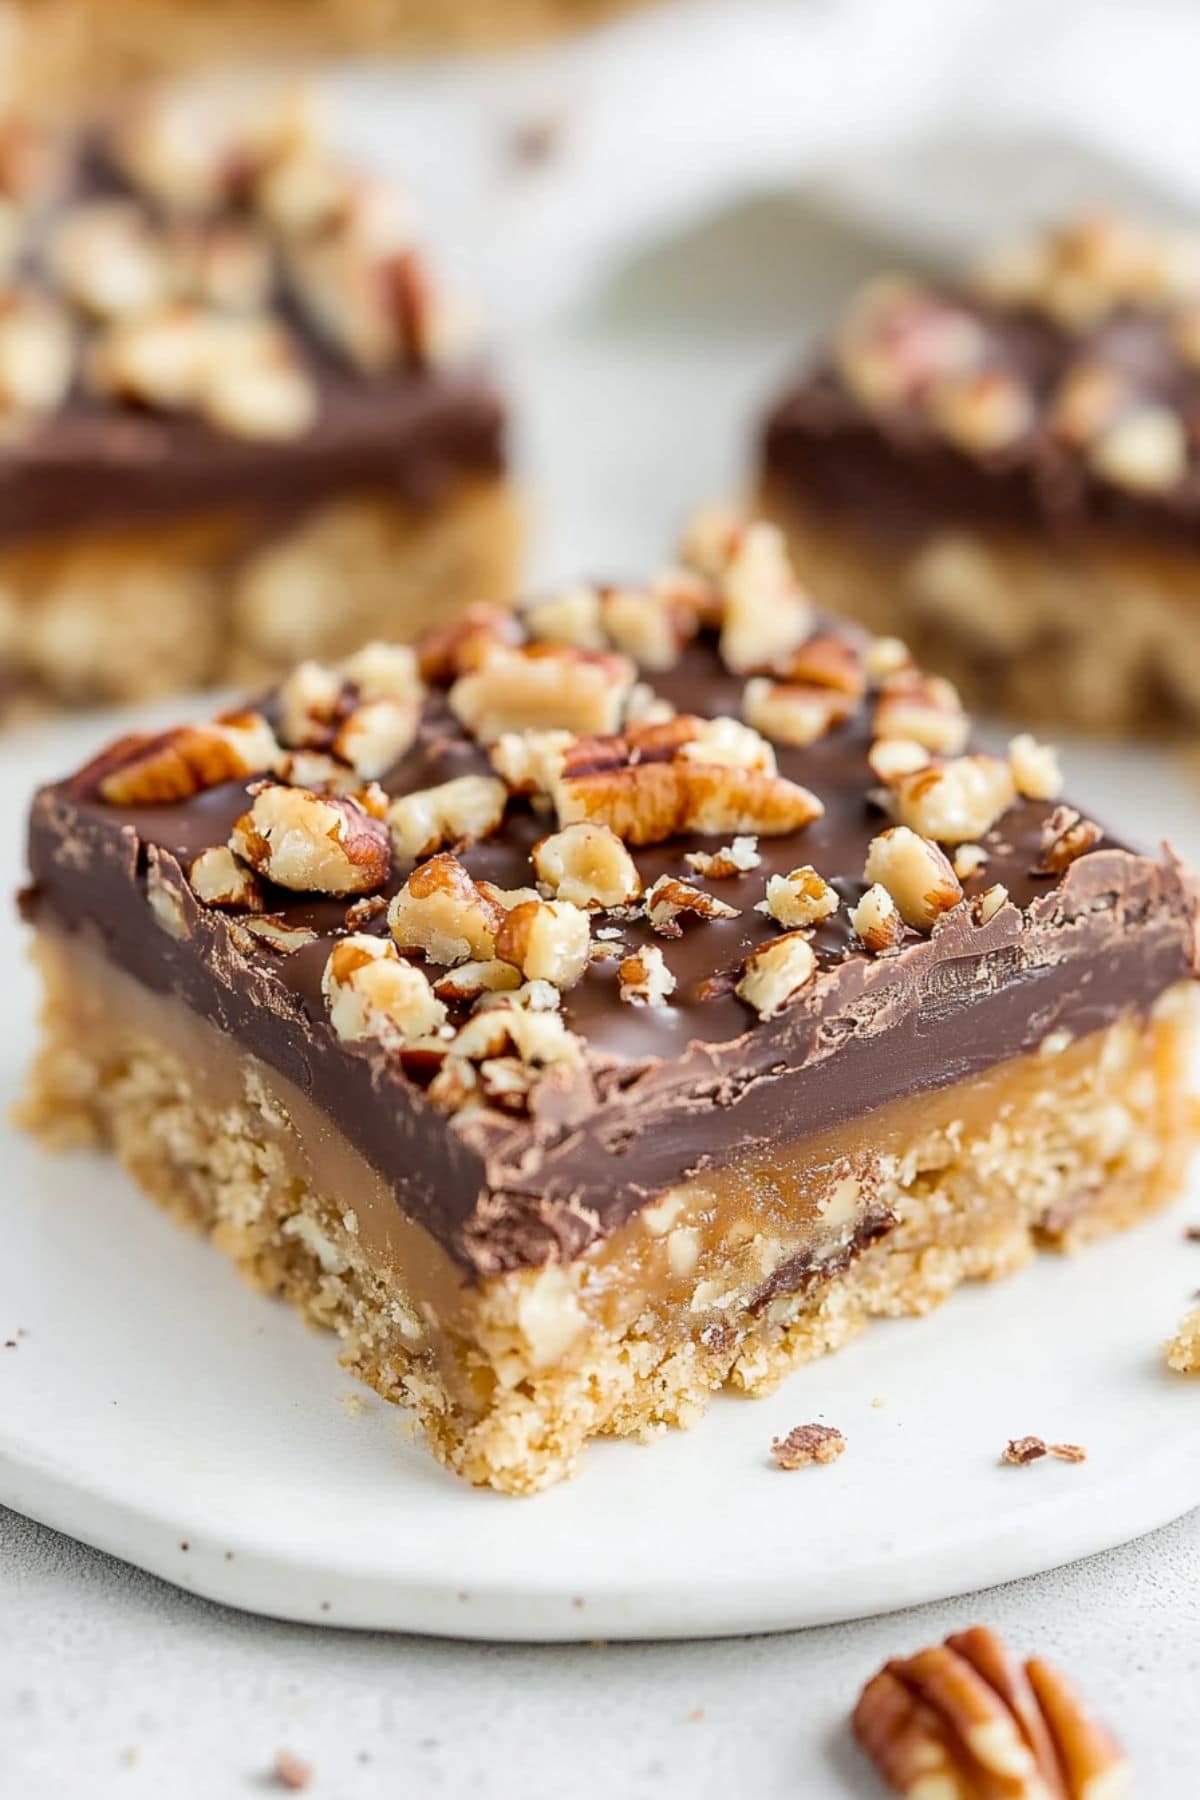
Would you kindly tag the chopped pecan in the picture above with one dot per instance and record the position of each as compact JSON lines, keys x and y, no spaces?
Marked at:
{"x":799,"y":900}
{"x":965,"y":1718}
{"x":669,"y":897}
{"x":775,"y":973}
{"x":886,"y":656}
{"x":807,"y":1444}
{"x":460,"y":811}
{"x":767,"y":614}
{"x":472,"y":981}
{"x":915,"y":873}
{"x":273,"y":930}
{"x":219,"y":879}
{"x":588,"y":865}
{"x":311,"y":843}
{"x":990,"y":901}
{"x":1035,"y":769}
{"x":376,"y":735}
{"x":1183,"y":1350}
{"x":649,"y":784}
{"x":876,"y":919}
{"x":648,"y":624}
{"x":530,"y":762}
{"x":547,"y":940}
{"x":162,"y":769}
{"x":890,"y":758}
{"x":570,"y":618}
{"x":1144,"y":451}
{"x":923,"y":708}
{"x":984,"y":411}
{"x":441,"y":911}
{"x":897,"y":338}
{"x":467,"y":642}
{"x":1066,"y":836}
{"x":542,"y":687}
{"x":968,"y":859}
{"x":644,"y":978}
{"x":737,"y":858}
{"x":372,"y":992}
{"x":827,"y":660}
{"x":37,"y":356}
{"x":111,"y":260}
{"x":955,"y":802}
{"x":792,"y":712}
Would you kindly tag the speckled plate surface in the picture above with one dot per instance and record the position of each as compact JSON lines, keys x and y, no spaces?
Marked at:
{"x":154,"y":1407}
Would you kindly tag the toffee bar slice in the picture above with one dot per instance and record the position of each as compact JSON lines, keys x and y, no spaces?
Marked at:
{"x":610,"y":1001}
{"x":1006,"y":471}
{"x":232,"y":430}
{"x":68,"y":50}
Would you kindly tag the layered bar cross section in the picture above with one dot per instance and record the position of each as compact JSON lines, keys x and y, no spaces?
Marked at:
{"x":611,"y":1000}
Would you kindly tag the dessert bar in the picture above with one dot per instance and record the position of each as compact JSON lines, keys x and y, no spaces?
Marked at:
{"x":68,"y":50}
{"x":234,"y":430}
{"x":1006,"y":471}
{"x":611,"y":1000}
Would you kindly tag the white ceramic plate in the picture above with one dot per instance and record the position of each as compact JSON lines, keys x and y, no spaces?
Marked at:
{"x":155,"y":1408}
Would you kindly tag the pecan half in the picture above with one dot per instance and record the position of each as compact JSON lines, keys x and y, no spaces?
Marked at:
{"x":164,"y":768}
{"x":649,"y":784}
{"x":441,"y":911}
{"x":966,"y":1720}
{"x":669,"y":897}
{"x":372,"y":992}
{"x":775,"y":973}
{"x":1066,"y":836}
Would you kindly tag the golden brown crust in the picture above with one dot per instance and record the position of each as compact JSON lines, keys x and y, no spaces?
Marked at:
{"x":131,"y":614}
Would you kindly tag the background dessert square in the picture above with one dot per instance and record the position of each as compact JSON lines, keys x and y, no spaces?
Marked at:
{"x":1004,"y":469}
{"x":235,"y":431}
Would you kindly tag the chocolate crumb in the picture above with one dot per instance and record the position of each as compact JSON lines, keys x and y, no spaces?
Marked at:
{"x":1024,"y":1450}
{"x":805,"y":1444}
{"x":290,"y":1772}
{"x":1069,"y":1452}
{"x":10,"y":1343}
{"x":1192,"y":1234}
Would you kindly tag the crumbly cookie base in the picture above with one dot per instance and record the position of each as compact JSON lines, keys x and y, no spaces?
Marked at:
{"x":1095,"y":634}
{"x":110,"y":616}
{"x":1183,"y":1350}
{"x":71,"y":49}
{"x":510,"y":1377}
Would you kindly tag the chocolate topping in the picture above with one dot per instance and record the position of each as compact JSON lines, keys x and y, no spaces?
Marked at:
{"x":663,"y":1092}
{"x":997,"y":402}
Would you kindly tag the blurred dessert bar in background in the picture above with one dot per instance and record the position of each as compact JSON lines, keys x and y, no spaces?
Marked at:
{"x":68,"y":49}
{"x":1006,"y":471}
{"x":235,"y":431}
{"x":612,"y":1001}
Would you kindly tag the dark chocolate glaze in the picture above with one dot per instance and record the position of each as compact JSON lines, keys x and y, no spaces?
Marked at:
{"x":897,"y":477}
{"x":668,"y":1092}
{"x":410,"y":437}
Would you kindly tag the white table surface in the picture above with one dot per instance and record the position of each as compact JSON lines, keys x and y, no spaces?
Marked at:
{"x":114,"y":1686}
{"x":112,"y":1683}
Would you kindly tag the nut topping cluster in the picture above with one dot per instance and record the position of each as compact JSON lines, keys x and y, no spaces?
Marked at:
{"x":966,"y":1720}
{"x":169,"y":269}
{"x":535,"y":773}
{"x":950,"y":359}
